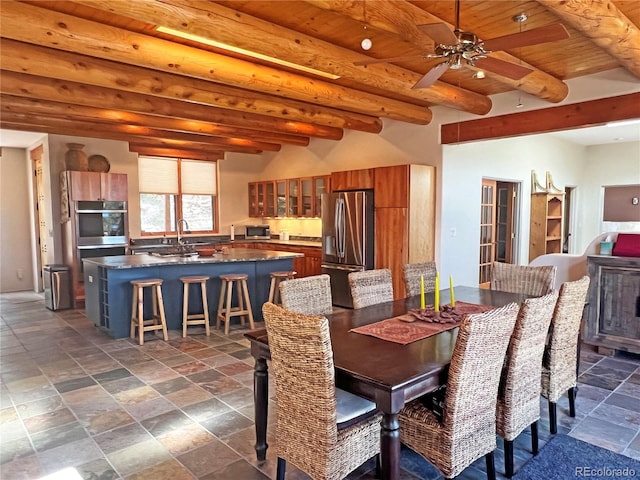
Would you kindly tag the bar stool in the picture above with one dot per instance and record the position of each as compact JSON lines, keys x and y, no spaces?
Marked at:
{"x":157,"y":320}
{"x":225,"y":309}
{"x":276,"y":278}
{"x":195,"y":318}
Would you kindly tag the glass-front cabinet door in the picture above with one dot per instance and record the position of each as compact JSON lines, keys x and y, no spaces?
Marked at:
{"x":253,"y":199}
{"x":261,"y":199}
{"x":306,"y":187}
{"x":281,"y":198}
{"x":293,"y":197}
{"x":320,"y":186}
{"x":270,"y":199}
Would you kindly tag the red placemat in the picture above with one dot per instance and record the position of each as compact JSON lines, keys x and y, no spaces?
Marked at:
{"x":395,"y":330}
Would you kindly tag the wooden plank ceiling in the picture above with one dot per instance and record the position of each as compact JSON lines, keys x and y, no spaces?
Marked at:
{"x":101,"y":68}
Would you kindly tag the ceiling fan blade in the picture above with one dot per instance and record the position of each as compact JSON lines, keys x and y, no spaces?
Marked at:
{"x":548,"y":33}
{"x":432,"y":75}
{"x":405,"y":58}
{"x":505,"y":69}
{"x":439,"y":33}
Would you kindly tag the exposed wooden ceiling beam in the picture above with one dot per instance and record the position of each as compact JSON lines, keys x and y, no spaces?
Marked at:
{"x":47,"y":62}
{"x":31,"y":86}
{"x":605,"y":24}
{"x":210,"y":20}
{"x":175,"y":153}
{"x":400,"y":17}
{"x":553,"y":119}
{"x":10,"y":103}
{"x":73,"y":34}
{"x":135,"y":131}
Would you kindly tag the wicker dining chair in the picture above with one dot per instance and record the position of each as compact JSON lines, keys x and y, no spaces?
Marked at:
{"x":371,"y":287}
{"x":534,"y":281}
{"x":412,"y":273}
{"x":310,"y":295}
{"x":560,"y":358}
{"x":519,"y":392}
{"x":467,"y":430}
{"x":324,"y":431}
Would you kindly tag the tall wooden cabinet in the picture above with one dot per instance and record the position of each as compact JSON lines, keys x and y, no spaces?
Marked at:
{"x":88,"y":202}
{"x":404,"y":197}
{"x":545,"y":224}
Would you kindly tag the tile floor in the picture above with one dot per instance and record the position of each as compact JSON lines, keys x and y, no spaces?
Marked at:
{"x":72,"y":397}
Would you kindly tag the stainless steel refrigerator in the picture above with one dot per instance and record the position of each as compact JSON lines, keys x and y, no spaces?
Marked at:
{"x":347,"y":239}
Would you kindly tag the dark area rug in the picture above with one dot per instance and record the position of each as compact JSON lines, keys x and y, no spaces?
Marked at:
{"x":565,"y":457}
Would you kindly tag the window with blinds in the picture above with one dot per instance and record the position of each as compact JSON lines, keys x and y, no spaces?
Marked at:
{"x":173,"y":189}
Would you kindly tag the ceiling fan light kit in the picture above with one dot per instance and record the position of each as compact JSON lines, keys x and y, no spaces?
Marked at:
{"x":457,"y":48}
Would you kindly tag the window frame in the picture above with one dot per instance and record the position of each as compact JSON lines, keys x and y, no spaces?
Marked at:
{"x":178,"y":203}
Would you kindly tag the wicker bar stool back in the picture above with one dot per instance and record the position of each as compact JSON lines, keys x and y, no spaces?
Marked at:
{"x":519,"y":392}
{"x":561,"y":355}
{"x":467,"y":430}
{"x":307,"y":431}
{"x":534,"y":281}
{"x":310,"y":295}
{"x":413,"y":272}
{"x":371,"y":287}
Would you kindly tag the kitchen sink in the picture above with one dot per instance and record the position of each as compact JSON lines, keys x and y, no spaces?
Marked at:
{"x":174,"y":254}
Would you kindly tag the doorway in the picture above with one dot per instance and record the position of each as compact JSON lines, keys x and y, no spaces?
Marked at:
{"x":40,"y":204}
{"x":567,"y":215}
{"x":497,"y":226}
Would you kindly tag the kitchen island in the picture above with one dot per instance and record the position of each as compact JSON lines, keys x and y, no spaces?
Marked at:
{"x":109,"y":293}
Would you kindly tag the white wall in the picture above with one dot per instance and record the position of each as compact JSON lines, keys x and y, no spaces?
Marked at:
{"x":508,"y":160}
{"x":16,"y":262}
{"x":599,"y":174}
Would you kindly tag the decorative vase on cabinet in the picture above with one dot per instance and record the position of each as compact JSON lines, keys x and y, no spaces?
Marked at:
{"x":75,"y":158}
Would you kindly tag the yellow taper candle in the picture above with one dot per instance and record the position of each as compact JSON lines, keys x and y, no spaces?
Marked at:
{"x":436,"y":294}
{"x":453,"y":295}
{"x":422,"y":291}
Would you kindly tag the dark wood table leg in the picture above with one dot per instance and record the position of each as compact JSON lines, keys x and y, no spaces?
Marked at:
{"x":261,"y":404}
{"x":390,"y":446}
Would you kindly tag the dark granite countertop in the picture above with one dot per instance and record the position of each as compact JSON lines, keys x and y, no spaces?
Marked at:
{"x":294,"y":242}
{"x":149,"y":260}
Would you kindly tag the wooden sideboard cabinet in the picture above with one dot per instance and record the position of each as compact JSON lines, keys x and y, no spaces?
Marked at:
{"x":613,"y":311}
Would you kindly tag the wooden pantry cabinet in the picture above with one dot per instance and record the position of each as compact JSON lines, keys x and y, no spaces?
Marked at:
{"x":545,"y":224}
{"x":404,"y":197}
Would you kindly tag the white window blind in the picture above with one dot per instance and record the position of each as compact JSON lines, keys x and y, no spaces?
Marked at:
{"x":158,"y":175}
{"x":198,"y":178}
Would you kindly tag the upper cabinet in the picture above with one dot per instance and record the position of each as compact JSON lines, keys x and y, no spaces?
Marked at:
{"x":352,"y":180}
{"x":291,"y":197}
{"x":93,"y":186}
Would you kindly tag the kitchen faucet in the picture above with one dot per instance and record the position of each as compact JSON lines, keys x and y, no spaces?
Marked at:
{"x":179,"y":222}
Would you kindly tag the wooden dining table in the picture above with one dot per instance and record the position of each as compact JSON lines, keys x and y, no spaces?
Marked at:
{"x":387,"y":373}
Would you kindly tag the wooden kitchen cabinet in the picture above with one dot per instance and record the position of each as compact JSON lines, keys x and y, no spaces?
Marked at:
{"x":545,"y":224}
{"x":262,"y":199}
{"x":405,"y":219}
{"x":321,"y":185}
{"x":94,"y":186}
{"x":352,"y":180}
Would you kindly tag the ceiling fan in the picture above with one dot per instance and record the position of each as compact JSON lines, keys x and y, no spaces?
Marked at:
{"x":457,"y":47}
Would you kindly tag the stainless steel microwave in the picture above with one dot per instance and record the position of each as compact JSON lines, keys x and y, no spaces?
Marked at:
{"x":257,"y":232}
